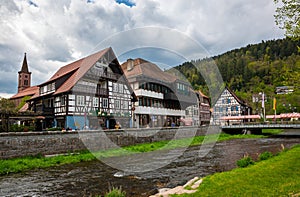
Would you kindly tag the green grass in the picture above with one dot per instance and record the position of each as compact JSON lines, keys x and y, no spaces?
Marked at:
{"x":271,"y":131}
{"x":198,"y":140}
{"x":277,"y":176}
{"x":26,"y":163}
{"x":30,"y":162}
{"x":115,"y":192}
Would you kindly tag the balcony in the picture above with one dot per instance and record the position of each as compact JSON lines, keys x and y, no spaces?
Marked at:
{"x":45,"y":110}
{"x":147,"y":93}
{"x":159,"y":111}
{"x":96,"y":75}
{"x":90,"y":90}
{"x":102,"y":92}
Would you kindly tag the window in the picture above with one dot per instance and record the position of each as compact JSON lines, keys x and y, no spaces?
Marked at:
{"x":80,"y":100}
{"x":115,"y":87}
{"x":195,"y":112}
{"x":117,"y":104}
{"x":95,"y":102}
{"x":187,"y":112}
{"x":121,"y":87}
{"x":63,"y":100}
{"x":105,"y":103}
{"x":125,"y":105}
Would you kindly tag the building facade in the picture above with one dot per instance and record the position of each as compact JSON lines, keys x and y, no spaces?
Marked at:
{"x":229,"y":105}
{"x":162,"y":97}
{"x":86,"y":94}
{"x":204,"y":108}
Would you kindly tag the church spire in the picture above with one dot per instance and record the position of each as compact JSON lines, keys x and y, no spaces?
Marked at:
{"x":24,"y":76}
{"x":24,"y":68}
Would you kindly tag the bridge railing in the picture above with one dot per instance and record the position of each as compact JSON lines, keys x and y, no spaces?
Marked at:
{"x":262,"y":126}
{"x":271,"y":122}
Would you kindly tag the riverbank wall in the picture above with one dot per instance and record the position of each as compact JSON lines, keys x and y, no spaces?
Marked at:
{"x":57,"y":142}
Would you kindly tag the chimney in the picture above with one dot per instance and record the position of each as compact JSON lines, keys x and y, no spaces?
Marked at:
{"x":130,"y":64}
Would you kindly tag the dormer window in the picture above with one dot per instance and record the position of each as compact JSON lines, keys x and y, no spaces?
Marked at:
{"x":46,"y":89}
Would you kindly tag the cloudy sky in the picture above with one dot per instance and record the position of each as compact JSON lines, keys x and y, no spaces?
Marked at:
{"x":54,"y":33}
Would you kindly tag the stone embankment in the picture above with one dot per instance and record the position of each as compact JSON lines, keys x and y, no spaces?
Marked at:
{"x":58,"y":142}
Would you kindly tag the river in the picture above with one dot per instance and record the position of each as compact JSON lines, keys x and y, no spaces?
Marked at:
{"x":95,"y":178}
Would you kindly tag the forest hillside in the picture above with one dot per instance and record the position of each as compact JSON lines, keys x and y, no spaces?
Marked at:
{"x":253,"y":69}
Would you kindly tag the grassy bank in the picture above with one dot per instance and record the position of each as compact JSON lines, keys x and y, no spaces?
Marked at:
{"x":277,"y":176}
{"x":27,"y":163}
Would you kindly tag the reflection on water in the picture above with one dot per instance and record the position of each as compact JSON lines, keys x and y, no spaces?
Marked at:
{"x":91,"y":178}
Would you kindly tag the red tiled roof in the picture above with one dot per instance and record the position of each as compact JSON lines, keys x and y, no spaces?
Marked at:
{"x":30,"y":91}
{"x":65,"y":70}
{"x":143,"y":67}
{"x":81,"y":66}
{"x":201,"y":94}
{"x":77,"y":70}
{"x":24,"y":108}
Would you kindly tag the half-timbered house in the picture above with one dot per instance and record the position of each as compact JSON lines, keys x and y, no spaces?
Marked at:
{"x":227,"y":105}
{"x":89,"y":93}
{"x":162,"y":97}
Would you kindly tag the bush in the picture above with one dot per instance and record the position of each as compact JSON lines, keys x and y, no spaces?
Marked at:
{"x":116,"y":192}
{"x":20,"y":128}
{"x":54,"y":129}
{"x":264,"y":156}
{"x":244,"y":162}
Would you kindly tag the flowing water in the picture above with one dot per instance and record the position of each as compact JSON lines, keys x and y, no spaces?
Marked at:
{"x":95,"y":178}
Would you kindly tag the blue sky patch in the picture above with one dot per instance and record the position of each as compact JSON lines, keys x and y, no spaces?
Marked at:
{"x":126,"y":2}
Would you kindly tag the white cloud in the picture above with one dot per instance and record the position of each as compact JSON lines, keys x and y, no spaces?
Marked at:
{"x":55,"y":33}
{"x":5,"y":95}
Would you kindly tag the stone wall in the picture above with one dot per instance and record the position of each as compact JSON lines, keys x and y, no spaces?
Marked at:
{"x":57,"y":142}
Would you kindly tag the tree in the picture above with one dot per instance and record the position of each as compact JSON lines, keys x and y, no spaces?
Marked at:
{"x":288,"y":17}
{"x":7,"y":107}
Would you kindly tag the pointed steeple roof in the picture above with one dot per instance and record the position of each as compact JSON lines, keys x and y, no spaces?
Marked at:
{"x":24,"y":68}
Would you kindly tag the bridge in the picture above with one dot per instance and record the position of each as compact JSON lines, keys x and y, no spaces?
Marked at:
{"x":257,"y":128}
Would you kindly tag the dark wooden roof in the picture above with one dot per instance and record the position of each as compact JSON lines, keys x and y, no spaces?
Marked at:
{"x":142,"y":67}
{"x":24,"y":68}
{"x":240,"y":101}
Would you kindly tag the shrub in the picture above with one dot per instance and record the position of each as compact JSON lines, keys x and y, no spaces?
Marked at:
{"x":20,"y":128}
{"x":244,"y":162}
{"x":116,"y":192}
{"x":264,"y":156}
{"x":54,"y":129}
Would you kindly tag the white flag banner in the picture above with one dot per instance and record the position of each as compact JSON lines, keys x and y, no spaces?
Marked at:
{"x":263,"y":100}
